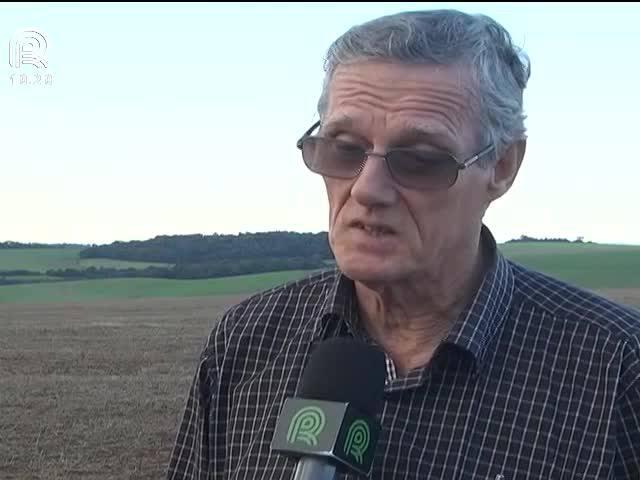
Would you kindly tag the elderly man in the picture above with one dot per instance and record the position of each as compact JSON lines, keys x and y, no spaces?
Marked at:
{"x":493,"y":371}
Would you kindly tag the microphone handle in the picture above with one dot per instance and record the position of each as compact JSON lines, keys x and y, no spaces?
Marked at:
{"x":310,"y":468}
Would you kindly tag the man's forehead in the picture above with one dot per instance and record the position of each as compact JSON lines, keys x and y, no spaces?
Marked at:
{"x":435,"y":103}
{"x":422,"y":75}
{"x":397,"y":83}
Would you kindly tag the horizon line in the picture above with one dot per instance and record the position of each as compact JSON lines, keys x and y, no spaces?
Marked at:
{"x":247,"y":232}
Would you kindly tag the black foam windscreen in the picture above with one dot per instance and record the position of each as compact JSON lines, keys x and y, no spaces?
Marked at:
{"x":346,"y":370}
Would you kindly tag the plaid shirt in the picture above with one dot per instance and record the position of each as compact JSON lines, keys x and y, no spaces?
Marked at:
{"x":536,"y":380}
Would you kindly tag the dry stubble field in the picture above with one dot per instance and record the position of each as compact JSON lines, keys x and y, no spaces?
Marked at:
{"x":95,"y":390}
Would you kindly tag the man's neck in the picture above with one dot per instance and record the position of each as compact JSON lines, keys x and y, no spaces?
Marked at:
{"x":410,"y":319}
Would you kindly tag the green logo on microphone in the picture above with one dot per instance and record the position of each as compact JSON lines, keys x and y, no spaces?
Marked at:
{"x":306,"y":425}
{"x":358,"y":438}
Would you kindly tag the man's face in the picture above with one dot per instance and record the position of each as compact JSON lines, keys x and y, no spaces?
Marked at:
{"x":422,"y":231}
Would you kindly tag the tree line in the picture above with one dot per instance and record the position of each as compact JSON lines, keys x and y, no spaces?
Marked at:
{"x":221,"y":268}
{"x":9,"y":244}
{"x":194,"y":256}
{"x":201,"y":256}
{"x":206,"y":256}
{"x":525,"y":238}
{"x":190,"y":249}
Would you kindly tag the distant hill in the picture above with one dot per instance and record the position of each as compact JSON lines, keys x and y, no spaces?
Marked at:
{"x":10,"y":244}
{"x":167,"y":256}
{"x":181,"y":249}
{"x":196,"y":247}
{"x":212,"y":256}
{"x":527,"y":239}
{"x":206,"y":256}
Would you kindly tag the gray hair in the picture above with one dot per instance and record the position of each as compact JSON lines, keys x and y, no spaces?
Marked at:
{"x":499,"y":70}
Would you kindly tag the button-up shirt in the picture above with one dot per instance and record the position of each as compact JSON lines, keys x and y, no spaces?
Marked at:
{"x":536,"y":379}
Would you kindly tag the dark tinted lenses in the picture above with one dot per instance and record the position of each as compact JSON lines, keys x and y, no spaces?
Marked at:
{"x":410,"y":168}
{"x":332,"y":157}
{"x":422,"y":170}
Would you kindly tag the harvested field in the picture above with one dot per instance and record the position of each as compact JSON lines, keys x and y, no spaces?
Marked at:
{"x":95,"y":390}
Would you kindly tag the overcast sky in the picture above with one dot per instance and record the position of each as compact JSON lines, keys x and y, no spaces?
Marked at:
{"x":182,"y":118}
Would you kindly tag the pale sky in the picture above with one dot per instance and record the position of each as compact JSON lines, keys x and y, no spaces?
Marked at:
{"x":182,"y":118}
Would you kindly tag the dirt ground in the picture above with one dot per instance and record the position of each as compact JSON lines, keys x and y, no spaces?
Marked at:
{"x":96,"y":390}
{"x":628,"y":296}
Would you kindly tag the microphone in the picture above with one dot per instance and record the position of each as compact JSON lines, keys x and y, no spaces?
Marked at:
{"x":331,"y":425}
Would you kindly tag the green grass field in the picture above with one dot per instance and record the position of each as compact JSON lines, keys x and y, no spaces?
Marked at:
{"x":585,"y":265}
{"x":43,"y":259}
{"x":542,"y":248}
{"x":590,"y":266}
{"x":31,"y":278}
{"x":121,"y":288}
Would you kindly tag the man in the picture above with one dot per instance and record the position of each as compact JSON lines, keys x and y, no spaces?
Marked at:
{"x":493,"y":371}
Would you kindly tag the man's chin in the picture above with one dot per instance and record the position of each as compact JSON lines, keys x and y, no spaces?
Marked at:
{"x":369,"y":272}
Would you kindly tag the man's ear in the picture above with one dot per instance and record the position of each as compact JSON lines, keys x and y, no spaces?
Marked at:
{"x":505,"y":169}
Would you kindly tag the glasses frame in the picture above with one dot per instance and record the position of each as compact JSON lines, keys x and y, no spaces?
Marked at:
{"x":460,"y":164}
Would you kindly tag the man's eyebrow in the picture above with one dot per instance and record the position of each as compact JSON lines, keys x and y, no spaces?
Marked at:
{"x":410,"y":134}
{"x":417,"y":134}
{"x":333,"y":125}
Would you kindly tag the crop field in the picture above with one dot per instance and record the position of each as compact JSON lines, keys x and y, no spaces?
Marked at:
{"x":43,"y":259}
{"x":94,"y":390}
{"x":591,"y":266}
{"x":124,"y":288}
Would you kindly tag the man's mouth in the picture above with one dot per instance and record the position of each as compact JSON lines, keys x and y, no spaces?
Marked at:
{"x":373,"y":229}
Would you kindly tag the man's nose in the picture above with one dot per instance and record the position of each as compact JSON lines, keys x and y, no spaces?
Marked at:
{"x":374,"y":186}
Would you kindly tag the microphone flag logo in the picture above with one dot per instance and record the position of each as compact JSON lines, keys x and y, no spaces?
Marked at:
{"x":306,"y":425}
{"x":358,"y":438}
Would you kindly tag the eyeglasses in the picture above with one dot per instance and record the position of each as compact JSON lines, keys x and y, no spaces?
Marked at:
{"x":411,"y":168}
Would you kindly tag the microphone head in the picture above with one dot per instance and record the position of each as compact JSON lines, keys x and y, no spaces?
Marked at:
{"x":333,"y":417}
{"x":346,"y":370}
